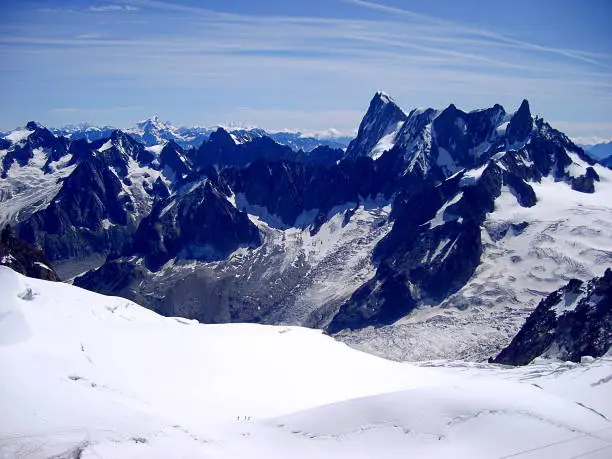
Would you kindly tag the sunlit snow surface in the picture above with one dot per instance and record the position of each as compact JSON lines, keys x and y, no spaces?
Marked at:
{"x":89,"y":376}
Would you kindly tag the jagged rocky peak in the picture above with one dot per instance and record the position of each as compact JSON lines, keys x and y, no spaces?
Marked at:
{"x":224,"y":149}
{"x":31,"y":125}
{"x":39,"y":136}
{"x":384,"y":118}
{"x":570,"y":323}
{"x":521,"y":125}
{"x":119,"y":148}
{"x":222,"y":138}
{"x":383,"y":97}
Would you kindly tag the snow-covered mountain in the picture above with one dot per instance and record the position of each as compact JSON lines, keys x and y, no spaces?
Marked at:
{"x":164,"y":386}
{"x":442,"y":229}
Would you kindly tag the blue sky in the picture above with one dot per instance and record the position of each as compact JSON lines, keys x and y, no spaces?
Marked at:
{"x":302,"y":65}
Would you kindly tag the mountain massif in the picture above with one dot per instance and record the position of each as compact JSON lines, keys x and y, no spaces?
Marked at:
{"x":429,"y":225}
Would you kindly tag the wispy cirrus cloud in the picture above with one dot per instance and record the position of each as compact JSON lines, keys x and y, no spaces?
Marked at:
{"x":486,"y":34}
{"x":112,"y":8}
{"x":294,"y":71}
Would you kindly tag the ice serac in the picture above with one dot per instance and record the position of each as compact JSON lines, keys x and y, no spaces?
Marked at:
{"x":570,"y":323}
{"x":379,"y":127}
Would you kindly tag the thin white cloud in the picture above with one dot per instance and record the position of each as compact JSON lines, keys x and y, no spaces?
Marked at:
{"x":192,"y":10}
{"x":112,"y":8}
{"x":55,"y":10}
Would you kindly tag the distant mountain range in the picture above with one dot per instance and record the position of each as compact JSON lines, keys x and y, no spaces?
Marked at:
{"x":601,"y":152}
{"x":154,"y":131}
{"x":435,"y":233}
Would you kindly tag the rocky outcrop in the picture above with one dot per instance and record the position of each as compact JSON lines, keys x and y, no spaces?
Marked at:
{"x":570,"y":323}
{"x":520,"y":126}
{"x":23,"y":258}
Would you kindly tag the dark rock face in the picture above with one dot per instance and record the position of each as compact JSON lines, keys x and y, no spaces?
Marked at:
{"x":198,"y":223}
{"x":458,"y":133}
{"x":383,"y":116}
{"x":173,"y":158}
{"x":520,"y":125}
{"x":288,"y":189}
{"x":376,"y":303}
{"x":585,"y":183}
{"x":222,"y":150}
{"x":116,"y":152}
{"x":115,"y":277}
{"x":322,"y":155}
{"x":549,"y":150}
{"x":23,"y":258}
{"x":570,"y":323}
{"x":98,"y":206}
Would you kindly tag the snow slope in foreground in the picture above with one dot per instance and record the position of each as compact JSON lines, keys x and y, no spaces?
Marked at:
{"x":84,"y":375}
